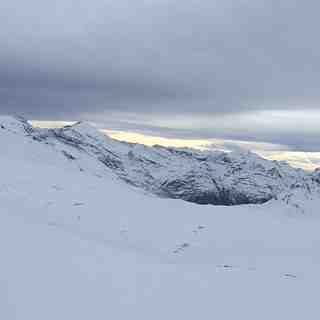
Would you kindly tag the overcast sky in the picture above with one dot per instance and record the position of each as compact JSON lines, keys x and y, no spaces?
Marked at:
{"x":239,"y":69}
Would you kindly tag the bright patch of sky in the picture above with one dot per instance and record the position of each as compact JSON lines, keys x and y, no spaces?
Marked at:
{"x":306,"y":160}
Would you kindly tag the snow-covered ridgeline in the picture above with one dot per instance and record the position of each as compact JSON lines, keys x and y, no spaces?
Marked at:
{"x":204,"y":177}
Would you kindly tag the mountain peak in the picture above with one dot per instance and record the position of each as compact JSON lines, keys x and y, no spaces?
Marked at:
{"x":84,"y":126}
{"x":85,"y":132}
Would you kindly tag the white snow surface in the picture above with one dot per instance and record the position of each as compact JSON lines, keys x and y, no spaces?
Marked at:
{"x":81,"y":244}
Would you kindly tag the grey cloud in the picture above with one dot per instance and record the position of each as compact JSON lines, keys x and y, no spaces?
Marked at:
{"x":41,"y":93}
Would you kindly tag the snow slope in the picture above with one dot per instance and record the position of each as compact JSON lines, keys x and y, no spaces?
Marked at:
{"x":77,"y":243}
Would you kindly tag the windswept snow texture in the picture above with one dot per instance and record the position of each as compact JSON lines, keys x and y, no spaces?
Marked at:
{"x":77,"y":242}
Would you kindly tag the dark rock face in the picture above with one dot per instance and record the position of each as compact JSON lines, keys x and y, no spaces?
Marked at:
{"x":213,"y":177}
{"x":189,"y":189}
{"x":316,"y":176}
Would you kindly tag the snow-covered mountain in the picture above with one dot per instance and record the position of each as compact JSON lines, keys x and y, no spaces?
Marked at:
{"x":217,"y":178}
{"x":77,"y":242}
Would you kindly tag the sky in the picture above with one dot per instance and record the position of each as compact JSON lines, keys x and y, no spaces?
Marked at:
{"x":238,"y":70}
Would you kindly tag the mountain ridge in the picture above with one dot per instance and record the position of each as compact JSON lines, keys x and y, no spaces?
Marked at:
{"x":203,"y":177}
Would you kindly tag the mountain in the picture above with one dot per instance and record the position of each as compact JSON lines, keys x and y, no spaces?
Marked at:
{"x":202,"y":177}
{"x":210,"y":177}
{"x":78,"y":241}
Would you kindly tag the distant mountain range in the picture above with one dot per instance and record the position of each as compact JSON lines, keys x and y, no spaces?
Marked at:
{"x":203,"y":177}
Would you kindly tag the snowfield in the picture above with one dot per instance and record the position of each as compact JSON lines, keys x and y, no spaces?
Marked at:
{"x":76,"y":242}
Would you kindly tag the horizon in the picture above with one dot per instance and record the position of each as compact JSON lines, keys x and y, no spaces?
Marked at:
{"x":305,"y":160}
